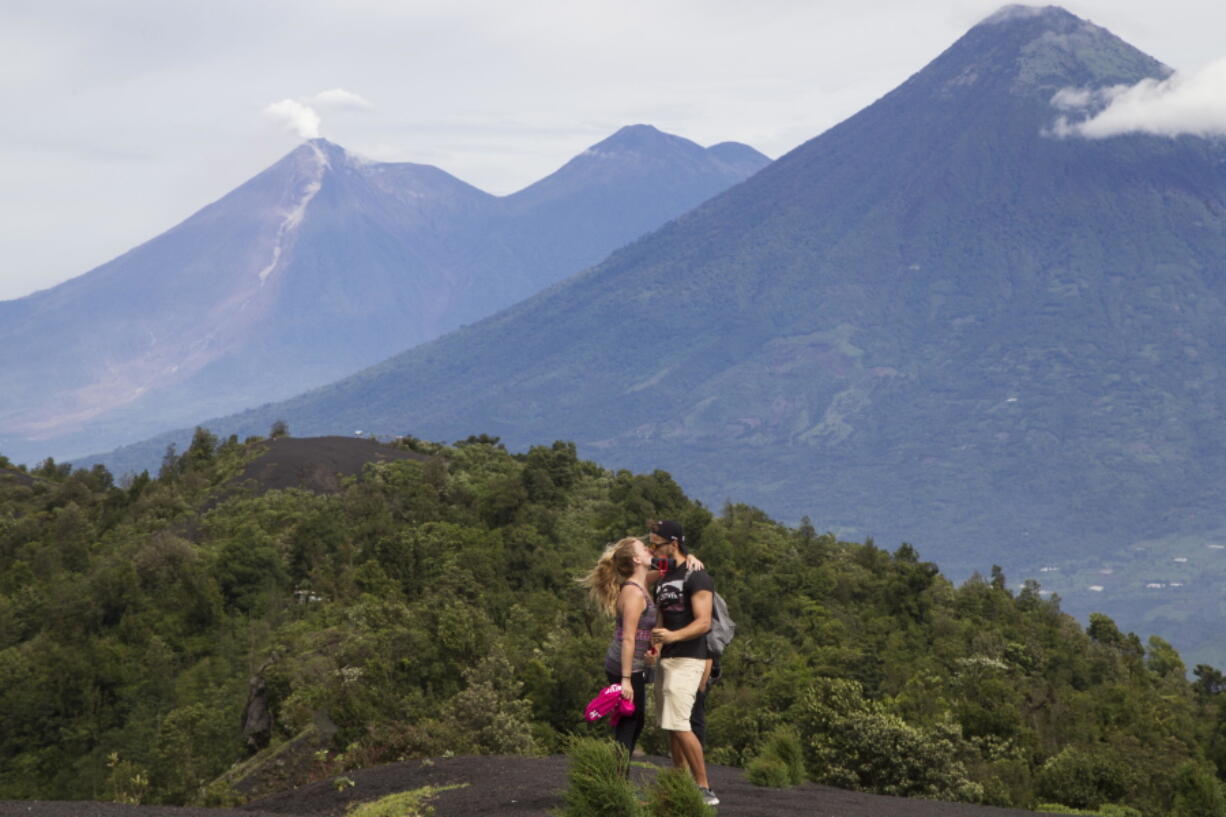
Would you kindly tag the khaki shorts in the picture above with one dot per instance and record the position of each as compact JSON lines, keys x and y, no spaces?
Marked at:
{"x":676,"y":685}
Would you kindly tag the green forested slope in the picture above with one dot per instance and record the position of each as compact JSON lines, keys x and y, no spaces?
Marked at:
{"x":430,"y":607}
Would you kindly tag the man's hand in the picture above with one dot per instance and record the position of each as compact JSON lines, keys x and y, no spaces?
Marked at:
{"x":660,"y":635}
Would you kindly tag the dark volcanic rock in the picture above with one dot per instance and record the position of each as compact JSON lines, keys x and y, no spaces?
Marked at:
{"x":521,"y":787}
{"x":317,"y":463}
{"x":530,"y":787}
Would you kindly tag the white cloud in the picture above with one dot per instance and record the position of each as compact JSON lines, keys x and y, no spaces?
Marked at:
{"x":301,"y":117}
{"x":341,"y":100}
{"x":1073,"y":99}
{"x":295,"y":116}
{"x":1184,"y":103}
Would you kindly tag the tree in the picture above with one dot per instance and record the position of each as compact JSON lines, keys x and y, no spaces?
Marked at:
{"x":1209,"y":681}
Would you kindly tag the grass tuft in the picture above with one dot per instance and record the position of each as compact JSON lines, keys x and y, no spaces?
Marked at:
{"x":414,"y":803}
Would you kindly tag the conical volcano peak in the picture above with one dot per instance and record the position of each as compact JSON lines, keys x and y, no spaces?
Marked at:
{"x":329,"y":153}
{"x":315,"y":157}
{"x":1018,"y":11}
{"x":312,"y":157}
{"x":1035,"y":51}
{"x":641,"y":139}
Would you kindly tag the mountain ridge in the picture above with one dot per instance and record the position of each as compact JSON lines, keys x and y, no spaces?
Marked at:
{"x":318,"y":266}
{"x":890,"y":328}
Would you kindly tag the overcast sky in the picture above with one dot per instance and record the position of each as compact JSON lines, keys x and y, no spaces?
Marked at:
{"x":123,"y":117}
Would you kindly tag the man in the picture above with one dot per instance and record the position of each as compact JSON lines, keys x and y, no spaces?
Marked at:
{"x":684,"y":598}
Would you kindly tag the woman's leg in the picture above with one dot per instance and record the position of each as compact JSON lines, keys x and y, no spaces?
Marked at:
{"x":640,"y":708}
{"x":629,"y":728}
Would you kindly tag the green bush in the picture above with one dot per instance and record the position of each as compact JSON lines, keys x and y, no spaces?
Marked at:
{"x":1007,"y":782}
{"x":674,"y":795}
{"x":597,"y":785}
{"x":784,"y":744}
{"x":856,"y":744}
{"x":1197,"y":793}
{"x":490,"y":715}
{"x":769,"y":771}
{"x":1082,"y":779}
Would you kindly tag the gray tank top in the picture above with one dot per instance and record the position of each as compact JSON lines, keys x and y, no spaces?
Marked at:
{"x":642,"y":637}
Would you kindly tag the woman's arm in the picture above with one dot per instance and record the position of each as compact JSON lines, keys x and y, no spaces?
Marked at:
{"x":631,"y":605}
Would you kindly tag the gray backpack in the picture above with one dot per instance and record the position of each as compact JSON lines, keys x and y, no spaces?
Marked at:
{"x":723,"y":628}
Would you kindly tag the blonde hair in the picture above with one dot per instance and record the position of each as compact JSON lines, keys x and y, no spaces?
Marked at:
{"x":604,"y":581}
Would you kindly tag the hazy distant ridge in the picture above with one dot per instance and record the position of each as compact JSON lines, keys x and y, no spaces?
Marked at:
{"x":319,"y":266}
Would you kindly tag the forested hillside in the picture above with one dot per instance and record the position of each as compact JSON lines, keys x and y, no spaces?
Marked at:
{"x":157,"y":633}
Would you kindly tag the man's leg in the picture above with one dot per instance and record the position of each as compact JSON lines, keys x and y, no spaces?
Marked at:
{"x":683,"y":676}
{"x":691,"y":751}
{"x":674,"y":750}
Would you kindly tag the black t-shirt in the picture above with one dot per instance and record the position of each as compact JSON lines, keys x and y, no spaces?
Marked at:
{"x":674,"y":594}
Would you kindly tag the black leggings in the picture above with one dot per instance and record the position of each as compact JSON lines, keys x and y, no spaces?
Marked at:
{"x":698,"y":717}
{"x":630,"y":727}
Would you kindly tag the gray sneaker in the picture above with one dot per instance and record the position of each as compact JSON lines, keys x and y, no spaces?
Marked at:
{"x":708,"y":796}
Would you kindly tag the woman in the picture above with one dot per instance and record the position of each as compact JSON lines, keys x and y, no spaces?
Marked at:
{"x":618,"y":585}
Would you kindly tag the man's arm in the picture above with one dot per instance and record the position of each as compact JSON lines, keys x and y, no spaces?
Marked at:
{"x":701,"y":603}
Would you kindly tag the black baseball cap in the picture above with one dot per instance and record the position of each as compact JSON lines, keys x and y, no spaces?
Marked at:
{"x":670,"y":530}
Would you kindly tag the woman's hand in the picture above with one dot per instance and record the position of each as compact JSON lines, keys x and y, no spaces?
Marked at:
{"x":696,"y":564}
{"x":627,"y":689}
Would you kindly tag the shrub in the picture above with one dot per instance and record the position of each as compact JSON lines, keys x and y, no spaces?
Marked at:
{"x":1082,"y":779}
{"x":675,"y":795}
{"x":490,"y":716}
{"x":856,"y":744}
{"x":781,"y":761}
{"x":1007,"y":782}
{"x":784,"y":744}
{"x":597,"y":785}
{"x":1197,"y":793}
{"x":127,"y":782}
{"x":769,"y":771}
